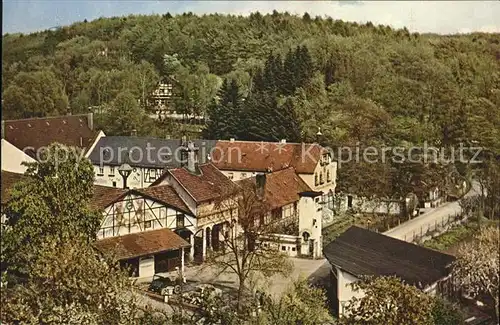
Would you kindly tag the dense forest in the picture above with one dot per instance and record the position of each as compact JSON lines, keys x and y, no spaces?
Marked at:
{"x":263,"y":77}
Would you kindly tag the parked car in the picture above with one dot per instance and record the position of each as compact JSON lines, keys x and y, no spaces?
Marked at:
{"x":160,"y":284}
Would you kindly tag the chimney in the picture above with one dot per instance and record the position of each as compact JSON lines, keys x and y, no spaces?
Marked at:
{"x":260,"y":180}
{"x":283,"y":141}
{"x":90,"y":120}
{"x":192,"y":161}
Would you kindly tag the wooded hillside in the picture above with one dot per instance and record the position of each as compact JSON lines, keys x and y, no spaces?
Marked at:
{"x":357,"y":82}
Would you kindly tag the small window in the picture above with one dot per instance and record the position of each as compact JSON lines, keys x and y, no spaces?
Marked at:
{"x":147,"y":224}
{"x":293,"y":249}
{"x":230,"y":176}
{"x":328,"y":177}
{"x":101,"y":171}
{"x":321,"y":180}
{"x":114,"y":183}
{"x":243,"y":175}
{"x":316,"y":180}
{"x":112,"y":171}
{"x":180,"y":221}
{"x":305,"y":236}
{"x":283,"y":248}
{"x":152,"y":175}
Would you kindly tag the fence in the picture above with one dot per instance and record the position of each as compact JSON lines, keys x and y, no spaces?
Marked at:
{"x":435,"y":228}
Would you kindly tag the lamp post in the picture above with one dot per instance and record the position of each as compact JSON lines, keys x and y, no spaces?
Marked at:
{"x":125,"y":170}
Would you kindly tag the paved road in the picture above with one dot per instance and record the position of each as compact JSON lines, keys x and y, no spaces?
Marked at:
{"x":406,"y":230}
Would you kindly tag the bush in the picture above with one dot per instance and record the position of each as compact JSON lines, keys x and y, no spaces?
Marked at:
{"x":446,"y":313}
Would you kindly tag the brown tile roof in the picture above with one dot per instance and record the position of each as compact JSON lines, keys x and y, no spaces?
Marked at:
{"x":71,"y":130}
{"x":261,"y":156}
{"x":165,"y":194}
{"x":105,"y":195}
{"x":362,"y":252}
{"x":281,"y":187}
{"x":141,"y":243}
{"x":8,"y":181}
{"x":209,"y":184}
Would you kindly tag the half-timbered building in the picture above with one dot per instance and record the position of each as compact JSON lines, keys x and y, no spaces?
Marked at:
{"x":148,"y":229}
{"x":148,"y":157}
{"x":293,"y":221}
{"x":201,"y":186}
{"x":313,"y":163}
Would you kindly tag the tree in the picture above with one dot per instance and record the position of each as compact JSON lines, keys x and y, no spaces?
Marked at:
{"x":299,"y":304}
{"x":387,"y":300}
{"x":69,"y":284}
{"x":446,"y":313}
{"x":244,"y":253}
{"x":225,"y":115}
{"x":290,"y":123}
{"x":53,"y":201}
{"x":476,"y":268}
{"x":124,"y":116}
{"x":34,"y":94}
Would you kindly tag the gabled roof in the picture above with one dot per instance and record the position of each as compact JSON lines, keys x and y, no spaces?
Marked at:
{"x":70,"y":130}
{"x":8,"y":181}
{"x":362,"y":252}
{"x":162,"y":153}
{"x":141,"y":243}
{"x":105,"y":195}
{"x":281,"y":187}
{"x":165,"y":194}
{"x":266,"y":156}
{"x":206,"y":185}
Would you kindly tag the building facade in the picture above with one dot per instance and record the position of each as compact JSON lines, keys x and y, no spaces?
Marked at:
{"x":150,"y":216}
{"x":312,"y":163}
{"x":149,"y":158}
{"x":293,"y":222}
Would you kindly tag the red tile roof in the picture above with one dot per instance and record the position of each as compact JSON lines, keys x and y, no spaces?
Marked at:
{"x":209,"y":184}
{"x":71,"y":130}
{"x":281,"y":187}
{"x":264,"y":156}
{"x":8,"y":181}
{"x":105,"y":195}
{"x":141,"y":243}
{"x":165,"y":194}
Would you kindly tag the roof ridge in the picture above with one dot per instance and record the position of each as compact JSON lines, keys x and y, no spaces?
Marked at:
{"x":277,"y":142}
{"x":47,"y":117}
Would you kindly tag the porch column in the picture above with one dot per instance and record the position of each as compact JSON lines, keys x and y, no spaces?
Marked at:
{"x":204,"y":246}
{"x":183,"y":277}
{"x":191,"y":250}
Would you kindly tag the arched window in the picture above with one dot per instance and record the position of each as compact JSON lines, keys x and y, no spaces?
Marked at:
{"x":305,"y":236}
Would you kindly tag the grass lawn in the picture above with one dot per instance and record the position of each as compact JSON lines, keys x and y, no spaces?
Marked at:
{"x":450,"y":240}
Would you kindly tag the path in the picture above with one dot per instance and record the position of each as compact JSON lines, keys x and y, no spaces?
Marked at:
{"x":406,"y":231}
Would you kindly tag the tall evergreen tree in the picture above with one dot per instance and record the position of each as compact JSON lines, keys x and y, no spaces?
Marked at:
{"x":289,"y":122}
{"x":225,"y":115}
{"x":289,"y":74}
{"x":329,"y":72}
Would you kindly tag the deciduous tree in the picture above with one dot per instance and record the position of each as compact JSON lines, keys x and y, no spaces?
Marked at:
{"x":476,"y":268}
